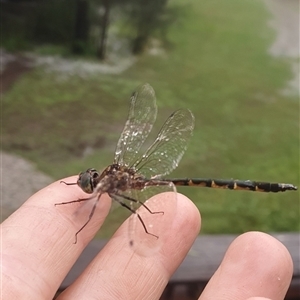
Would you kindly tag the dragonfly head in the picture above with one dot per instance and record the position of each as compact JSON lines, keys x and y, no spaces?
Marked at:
{"x":88,"y":180}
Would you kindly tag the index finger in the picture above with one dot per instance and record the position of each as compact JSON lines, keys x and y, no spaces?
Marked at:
{"x":38,"y":241}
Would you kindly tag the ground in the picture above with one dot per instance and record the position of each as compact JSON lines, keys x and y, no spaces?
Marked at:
{"x":285,"y":22}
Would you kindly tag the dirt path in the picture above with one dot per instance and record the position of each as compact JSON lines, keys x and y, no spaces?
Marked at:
{"x":13,"y":195}
{"x":286,"y":21}
{"x":12,"y":68}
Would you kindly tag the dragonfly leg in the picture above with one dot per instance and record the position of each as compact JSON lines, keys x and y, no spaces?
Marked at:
{"x":91,"y":213}
{"x":67,"y":183}
{"x":134,"y":212}
{"x":140,"y":202}
{"x":90,"y":217}
{"x":74,"y":201}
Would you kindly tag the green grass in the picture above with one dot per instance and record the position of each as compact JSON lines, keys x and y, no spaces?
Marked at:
{"x":219,"y":67}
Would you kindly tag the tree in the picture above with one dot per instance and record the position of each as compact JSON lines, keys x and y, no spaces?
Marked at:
{"x":146,"y":16}
{"x":101,"y":51}
{"x":81,"y":29}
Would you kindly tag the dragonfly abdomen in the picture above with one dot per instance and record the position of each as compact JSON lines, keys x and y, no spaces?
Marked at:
{"x":231,"y":184}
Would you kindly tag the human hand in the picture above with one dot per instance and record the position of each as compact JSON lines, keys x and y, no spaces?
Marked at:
{"x":38,"y":251}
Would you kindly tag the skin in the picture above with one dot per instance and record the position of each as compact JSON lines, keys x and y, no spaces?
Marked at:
{"x":38,"y":251}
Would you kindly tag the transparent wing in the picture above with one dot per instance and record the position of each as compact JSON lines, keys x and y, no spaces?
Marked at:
{"x":157,"y":216}
{"x":164,"y":154}
{"x":141,"y":117}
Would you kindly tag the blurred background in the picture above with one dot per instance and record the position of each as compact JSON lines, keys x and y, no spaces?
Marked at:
{"x":68,"y":69}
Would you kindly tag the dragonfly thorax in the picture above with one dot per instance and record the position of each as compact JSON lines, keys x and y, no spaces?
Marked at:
{"x":114,"y":178}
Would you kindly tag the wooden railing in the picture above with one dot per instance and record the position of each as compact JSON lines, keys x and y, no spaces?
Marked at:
{"x":199,"y":265}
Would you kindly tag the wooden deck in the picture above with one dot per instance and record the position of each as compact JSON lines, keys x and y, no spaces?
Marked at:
{"x":199,"y":265}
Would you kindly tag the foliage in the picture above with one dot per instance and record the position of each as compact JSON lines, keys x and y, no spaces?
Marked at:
{"x":72,"y":24}
{"x":16,"y":25}
{"x":145,"y":17}
{"x":55,"y":22}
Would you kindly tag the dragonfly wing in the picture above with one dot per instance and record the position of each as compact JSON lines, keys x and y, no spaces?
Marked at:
{"x":141,"y":117}
{"x":164,"y":154}
{"x":156,"y":215}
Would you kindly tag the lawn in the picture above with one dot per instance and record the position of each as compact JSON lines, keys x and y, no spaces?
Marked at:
{"x":217,"y":65}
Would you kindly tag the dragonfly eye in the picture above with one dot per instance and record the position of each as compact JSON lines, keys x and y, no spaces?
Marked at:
{"x":85,"y":182}
{"x":95,"y":175}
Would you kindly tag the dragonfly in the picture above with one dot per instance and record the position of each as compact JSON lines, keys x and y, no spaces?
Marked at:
{"x":132,"y":178}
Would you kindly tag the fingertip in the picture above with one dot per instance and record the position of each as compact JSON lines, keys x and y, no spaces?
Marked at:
{"x":266,"y":253}
{"x":182,"y":234}
{"x":178,"y":225}
{"x":258,"y":298}
{"x":254,"y":264}
{"x":188,"y":215}
{"x":255,"y":244}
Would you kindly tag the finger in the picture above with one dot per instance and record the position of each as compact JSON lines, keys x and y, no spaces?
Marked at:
{"x":121,"y":272}
{"x":258,"y":298}
{"x":255,"y":265}
{"x":38,"y":241}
